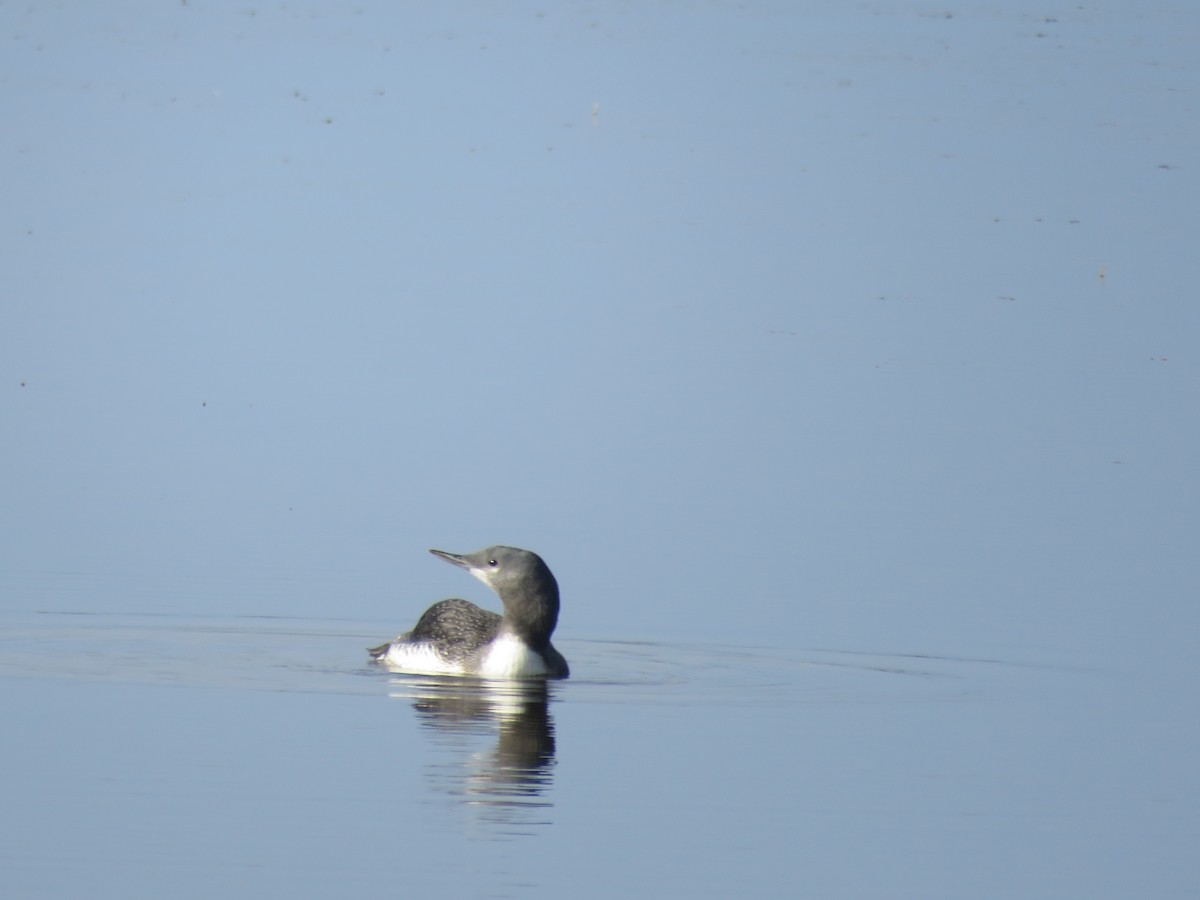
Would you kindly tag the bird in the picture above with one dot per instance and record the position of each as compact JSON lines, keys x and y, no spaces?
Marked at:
{"x":456,"y":637}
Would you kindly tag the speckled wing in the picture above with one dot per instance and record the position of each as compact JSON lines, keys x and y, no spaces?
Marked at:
{"x":456,"y":623}
{"x":451,"y":629}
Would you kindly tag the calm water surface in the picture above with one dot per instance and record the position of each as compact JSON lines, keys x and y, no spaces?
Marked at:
{"x":841,"y":360}
{"x":191,"y":756}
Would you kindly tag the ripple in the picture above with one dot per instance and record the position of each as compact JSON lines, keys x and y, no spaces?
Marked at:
{"x":328,"y":655}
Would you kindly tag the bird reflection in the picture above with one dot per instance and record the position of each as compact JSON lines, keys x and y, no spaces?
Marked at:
{"x":506,"y":784}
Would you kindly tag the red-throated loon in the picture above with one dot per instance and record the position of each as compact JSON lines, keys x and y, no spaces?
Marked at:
{"x":455,"y":637}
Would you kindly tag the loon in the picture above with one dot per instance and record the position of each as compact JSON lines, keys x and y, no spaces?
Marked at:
{"x":455,"y":637}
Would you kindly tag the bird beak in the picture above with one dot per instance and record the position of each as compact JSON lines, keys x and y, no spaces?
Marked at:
{"x":451,"y":558}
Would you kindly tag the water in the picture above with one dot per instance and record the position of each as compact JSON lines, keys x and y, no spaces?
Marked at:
{"x":192,"y":756}
{"x":839,"y":358}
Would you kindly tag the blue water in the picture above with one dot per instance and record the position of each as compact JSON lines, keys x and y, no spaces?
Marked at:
{"x":194,"y":756}
{"x":840,"y":359}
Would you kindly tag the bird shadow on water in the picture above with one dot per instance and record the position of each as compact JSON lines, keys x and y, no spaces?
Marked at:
{"x":495,"y":742}
{"x":493,"y":747}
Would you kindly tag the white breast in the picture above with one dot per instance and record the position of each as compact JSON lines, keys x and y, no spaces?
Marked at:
{"x":420,"y":658}
{"x":508,"y":657}
{"x":505,"y":657}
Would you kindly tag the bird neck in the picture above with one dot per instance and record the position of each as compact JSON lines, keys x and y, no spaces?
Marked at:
{"x":531,"y":615}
